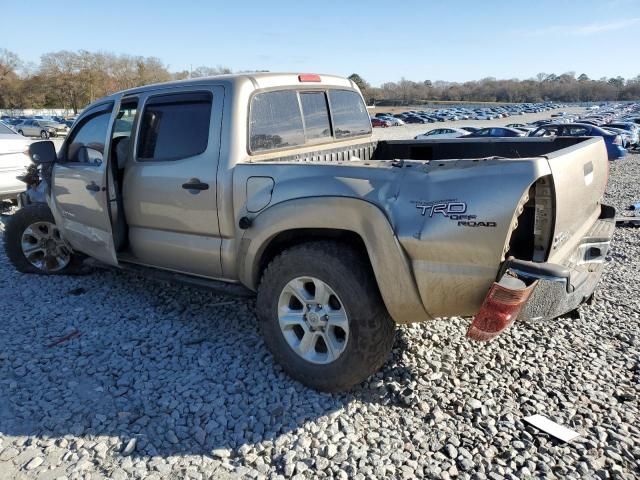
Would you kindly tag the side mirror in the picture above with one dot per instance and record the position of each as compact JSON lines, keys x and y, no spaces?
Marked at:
{"x":42,"y":152}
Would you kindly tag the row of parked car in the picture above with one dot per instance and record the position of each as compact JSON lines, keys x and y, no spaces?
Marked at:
{"x":619,"y":126}
{"x":39,"y":126}
{"x":386,"y":119}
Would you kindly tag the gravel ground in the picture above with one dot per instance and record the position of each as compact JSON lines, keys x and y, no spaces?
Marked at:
{"x":169,"y":381}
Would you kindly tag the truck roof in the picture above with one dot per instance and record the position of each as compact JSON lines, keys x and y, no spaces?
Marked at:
{"x":258,"y":80}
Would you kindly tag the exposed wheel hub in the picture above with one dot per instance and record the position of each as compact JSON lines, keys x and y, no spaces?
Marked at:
{"x":316,"y":317}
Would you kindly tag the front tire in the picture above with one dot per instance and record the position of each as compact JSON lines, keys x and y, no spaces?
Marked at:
{"x":44,"y":134}
{"x":322,"y":316}
{"x":33,"y":243}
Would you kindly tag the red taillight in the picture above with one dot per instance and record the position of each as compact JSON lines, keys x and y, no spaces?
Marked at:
{"x":617,"y":140}
{"x":500,"y":308}
{"x":308,"y":77}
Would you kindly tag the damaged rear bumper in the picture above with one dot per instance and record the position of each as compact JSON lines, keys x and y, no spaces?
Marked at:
{"x":562,"y":288}
{"x":546,"y":290}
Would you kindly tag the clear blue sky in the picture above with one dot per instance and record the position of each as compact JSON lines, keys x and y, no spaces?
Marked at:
{"x":381,"y":40}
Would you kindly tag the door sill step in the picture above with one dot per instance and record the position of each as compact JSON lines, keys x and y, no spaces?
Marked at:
{"x":218,"y":286}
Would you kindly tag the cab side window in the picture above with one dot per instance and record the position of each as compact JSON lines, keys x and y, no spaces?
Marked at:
{"x":174,"y":127}
{"x":88,"y":140}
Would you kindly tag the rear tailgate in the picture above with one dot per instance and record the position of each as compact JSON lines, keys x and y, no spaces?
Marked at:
{"x":580,"y":174}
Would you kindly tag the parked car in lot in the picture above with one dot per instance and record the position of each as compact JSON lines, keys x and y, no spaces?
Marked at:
{"x":379,"y":122}
{"x":613,"y":142}
{"x":13,"y":162}
{"x":41,"y":128}
{"x":631,"y":128}
{"x":538,"y":123}
{"x":497,"y":132}
{"x":483,"y":116}
{"x":442,"y":133}
{"x":393,"y":121}
{"x":628,"y":138}
{"x":415,"y":119}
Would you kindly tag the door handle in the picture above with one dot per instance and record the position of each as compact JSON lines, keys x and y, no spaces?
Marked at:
{"x":195,"y":184}
{"x":92,"y":187}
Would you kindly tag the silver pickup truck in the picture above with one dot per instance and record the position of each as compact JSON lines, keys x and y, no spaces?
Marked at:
{"x":271,"y":183}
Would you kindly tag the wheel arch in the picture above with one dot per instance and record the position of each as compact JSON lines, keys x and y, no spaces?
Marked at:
{"x":356,"y":222}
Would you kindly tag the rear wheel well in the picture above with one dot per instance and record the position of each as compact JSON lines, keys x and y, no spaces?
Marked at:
{"x":289,"y":238}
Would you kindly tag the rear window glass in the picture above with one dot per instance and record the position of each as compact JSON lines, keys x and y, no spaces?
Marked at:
{"x":175,"y":127}
{"x":316,"y":115}
{"x":350,"y":117}
{"x":276,"y":121}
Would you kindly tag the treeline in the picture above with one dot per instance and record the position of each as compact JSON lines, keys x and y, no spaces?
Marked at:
{"x":545,"y":87}
{"x":74,"y":79}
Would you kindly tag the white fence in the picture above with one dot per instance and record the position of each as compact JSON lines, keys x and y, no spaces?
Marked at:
{"x":45,"y":112}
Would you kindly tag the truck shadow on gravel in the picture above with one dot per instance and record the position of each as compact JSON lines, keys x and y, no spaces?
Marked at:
{"x":180,"y":369}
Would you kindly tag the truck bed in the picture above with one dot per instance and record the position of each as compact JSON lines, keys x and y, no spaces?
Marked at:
{"x":467,"y":148}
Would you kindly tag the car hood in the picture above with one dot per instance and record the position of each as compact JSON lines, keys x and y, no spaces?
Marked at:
{"x":12,"y":143}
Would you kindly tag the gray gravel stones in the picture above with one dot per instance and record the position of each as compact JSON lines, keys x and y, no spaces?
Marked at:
{"x":34,"y":463}
{"x":135,"y":397}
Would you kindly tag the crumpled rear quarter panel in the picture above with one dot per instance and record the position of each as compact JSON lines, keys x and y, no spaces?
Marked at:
{"x":455,"y":264}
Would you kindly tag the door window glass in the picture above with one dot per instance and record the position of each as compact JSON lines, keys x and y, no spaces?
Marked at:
{"x":87,"y":142}
{"x":175,"y":127}
{"x":122,"y":131}
{"x":124,"y":120}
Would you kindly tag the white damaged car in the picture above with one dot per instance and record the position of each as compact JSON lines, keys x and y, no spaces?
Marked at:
{"x":14,"y":160}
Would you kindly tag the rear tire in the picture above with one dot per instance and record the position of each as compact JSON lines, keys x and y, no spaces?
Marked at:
{"x":37,"y":218}
{"x":21,"y":133}
{"x":368,"y":334}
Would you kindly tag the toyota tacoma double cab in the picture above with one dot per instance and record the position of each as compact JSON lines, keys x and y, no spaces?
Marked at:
{"x":272,"y":184}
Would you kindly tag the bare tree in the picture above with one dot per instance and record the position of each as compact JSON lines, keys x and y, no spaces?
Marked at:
{"x":209,"y":71}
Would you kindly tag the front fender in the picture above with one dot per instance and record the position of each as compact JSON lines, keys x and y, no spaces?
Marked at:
{"x":390,"y":264}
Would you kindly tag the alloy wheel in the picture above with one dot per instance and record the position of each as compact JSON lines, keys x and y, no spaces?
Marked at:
{"x":313,"y":320}
{"x":44,"y":248}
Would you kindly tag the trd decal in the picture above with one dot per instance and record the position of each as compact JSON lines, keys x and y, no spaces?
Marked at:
{"x":453,"y":210}
{"x":446,"y":209}
{"x":476,"y":224}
